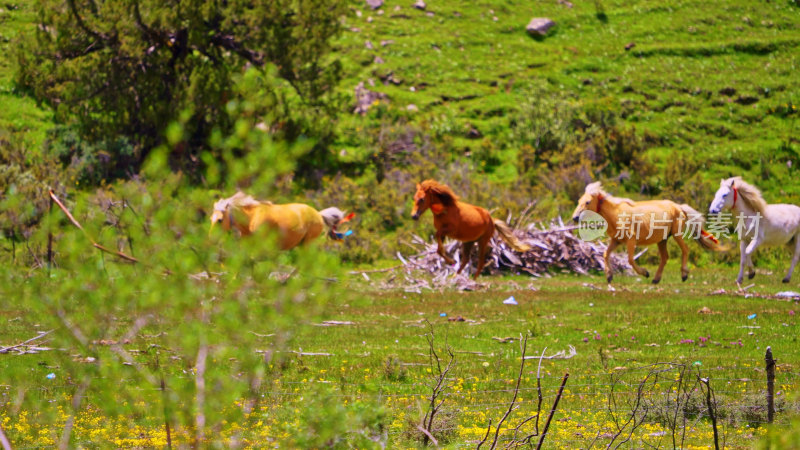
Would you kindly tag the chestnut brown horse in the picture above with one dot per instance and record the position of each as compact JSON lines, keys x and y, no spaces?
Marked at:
{"x":461,"y":221}
{"x":295,"y":223}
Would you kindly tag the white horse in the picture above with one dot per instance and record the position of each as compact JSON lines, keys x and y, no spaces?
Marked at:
{"x":778,"y":224}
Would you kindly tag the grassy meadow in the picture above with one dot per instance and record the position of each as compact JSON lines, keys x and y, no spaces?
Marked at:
{"x":215,"y":341}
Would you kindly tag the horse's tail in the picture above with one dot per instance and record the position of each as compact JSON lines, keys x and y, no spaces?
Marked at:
{"x":505,"y":232}
{"x":333,"y":217}
{"x":695,"y":223}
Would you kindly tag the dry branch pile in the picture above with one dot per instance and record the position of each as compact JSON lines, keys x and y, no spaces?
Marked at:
{"x":555,"y":248}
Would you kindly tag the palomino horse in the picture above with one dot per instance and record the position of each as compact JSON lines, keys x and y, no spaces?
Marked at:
{"x":758,"y":223}
{"x":458,"y":220}
{"x":296,"y":223}
{"x":645,"y":223}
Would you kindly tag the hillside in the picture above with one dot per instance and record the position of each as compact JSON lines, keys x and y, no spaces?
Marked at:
{"x":716,"y":83}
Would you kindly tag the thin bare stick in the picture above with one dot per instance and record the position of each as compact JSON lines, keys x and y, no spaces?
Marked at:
{"x":200,"y":396}
{"x":388,"y":269}
{"x":49,"y":237}
{"x":552,"y":411}
{"x":711,"y":410}
{"x":485,"y":436}
{"x":94,"y":243}
{"x":535,"y":433}
{"x":524,"y":346}
{"x":4,"y":440}
{"x":76,"y":404}
{"x":12,"y":347}
{"x":428,"y":434}
{"x":164,"y":399}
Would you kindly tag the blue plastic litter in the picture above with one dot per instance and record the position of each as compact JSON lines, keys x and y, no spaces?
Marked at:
{"x":510,"y":301}
{"x":50,"y":376}
{"x":751,"y":316}
{"x":443,"y":315}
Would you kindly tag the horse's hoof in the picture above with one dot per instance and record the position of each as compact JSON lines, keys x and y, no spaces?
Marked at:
{"x":684,"y":277}
{"x":655,"y":281}
{"x":646,"y":274}
{"x":751,"y":275}
{"x":786,"y":280}
{"x":609,"y":278}
{"x":739,"y":280}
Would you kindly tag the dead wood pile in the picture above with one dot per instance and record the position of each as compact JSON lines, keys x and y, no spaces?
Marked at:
{"x":553,"y":249}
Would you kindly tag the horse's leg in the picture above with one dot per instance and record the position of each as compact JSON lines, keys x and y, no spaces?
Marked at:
{"x":483,"y":250}
{"x":684,"y":256}
{"x":466,"y":249}
{"x":748,"y":258}
{"x":795,"y":258}
{"x":606,"y":255}
{"x":662,"y":251}
{"x":742,"y":260}
{"x":631,"y":250}
{"x":440,"y":248}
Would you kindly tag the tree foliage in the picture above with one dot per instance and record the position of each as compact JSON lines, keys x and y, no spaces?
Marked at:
{"x":123,"y":69}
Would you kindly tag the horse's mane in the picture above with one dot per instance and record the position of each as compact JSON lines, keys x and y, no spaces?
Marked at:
{"x":445,"y":194}
{"x":238,"y":200}
{"x":748,"y":193}
{"x":596,"y":188}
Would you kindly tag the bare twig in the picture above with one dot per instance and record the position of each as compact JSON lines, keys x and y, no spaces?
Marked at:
{"x":12,"y":347}
{"x":163,"y":386}
{"x":552,"y":411}
{"x":4,"y":439}
{"x":485,"y":436}
{"x":711,"y":408}
{"x":524,"y":346}
{"x":94,"y":243}
{"x":200,"y":395}
{"x":428,"y":435}
{"x":76,"y":404}
{"x":388,"y":269}
{"x":436,"y":399}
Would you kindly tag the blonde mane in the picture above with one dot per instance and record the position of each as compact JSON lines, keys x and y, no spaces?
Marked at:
{"x":749,"y":194}
{"x":445,"y":194}
{"x":596,"y":188}
{"x":238,"y":200}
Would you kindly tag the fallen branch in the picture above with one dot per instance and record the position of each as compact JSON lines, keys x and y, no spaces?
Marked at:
{"x":12,"y":347}
{"x":388,"y":269}
{"x":559,"y":355}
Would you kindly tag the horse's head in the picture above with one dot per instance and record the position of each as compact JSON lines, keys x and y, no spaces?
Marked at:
{"x":422,"y":201}
{"x":434,"y":195}
{"x":220,"y":213}
{"x":590,"y":200}
{"x":725,"y":196}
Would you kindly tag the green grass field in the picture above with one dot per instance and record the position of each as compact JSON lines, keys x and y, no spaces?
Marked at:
{"x":378,"y":361}
{"x":240,"y":359}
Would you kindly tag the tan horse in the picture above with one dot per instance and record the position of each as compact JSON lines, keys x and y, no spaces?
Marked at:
{"x":295,"y":223}
{"x":458,"y":220}
{"x":645,"y":223}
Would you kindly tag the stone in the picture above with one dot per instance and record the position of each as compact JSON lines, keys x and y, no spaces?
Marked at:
{"x":746,"y":99}
{"x":538,"y":26}
{"x":629,"y":46}
{"x":727,"y":91}
{"x":420,"y":4}
{"x":412,"y":108}
{"x":368,"y":45}
{"x":374,"y":4}
{"x":366,"y":98}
